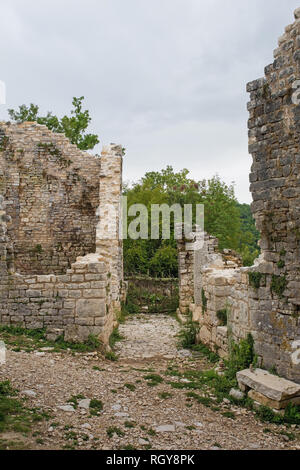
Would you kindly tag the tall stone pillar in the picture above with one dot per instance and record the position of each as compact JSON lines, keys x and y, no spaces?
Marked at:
{"x":109,"y":244}
{"x":3,"y":239}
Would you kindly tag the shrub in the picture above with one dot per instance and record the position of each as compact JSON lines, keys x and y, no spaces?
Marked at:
{"x":255,"y":279}
{"x":222,"y":316}
{"x":114,"y":338}
{"x":211,"y":356}
{"x":241,"y":356}
{"x":188,"y":334}
{"x":95,"y":407}
{"x":292,"y":414}
{"x":278,"y":285}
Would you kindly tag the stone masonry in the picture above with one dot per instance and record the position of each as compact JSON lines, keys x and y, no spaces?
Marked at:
{"x":263,"y":300}
{"x":51,"y":275}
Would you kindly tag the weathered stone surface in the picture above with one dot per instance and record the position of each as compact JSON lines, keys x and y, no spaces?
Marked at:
{"x":263,"y":300}
{"x":237,"y":394}
{"x":67,"y":408}
{"x":165,"y":428}
{"x":84,"y":403}
{"x":277,"y":405}
{"x":29,"y":393}
{"x":59,"y":190}
{"x":269,"y":385}
{"x":91,"y":308}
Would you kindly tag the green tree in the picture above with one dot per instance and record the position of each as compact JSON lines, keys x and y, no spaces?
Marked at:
{"x":249,"y":236}
{"x":74,"y":126}
{"x":223,"y":219}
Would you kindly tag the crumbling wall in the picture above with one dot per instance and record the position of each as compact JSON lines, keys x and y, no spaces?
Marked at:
{"x":264,"y":300}
{"x":208,"y":279}
{"x":84,"y":299}
{"x":274,"y":143}
{"x":51,"y":190}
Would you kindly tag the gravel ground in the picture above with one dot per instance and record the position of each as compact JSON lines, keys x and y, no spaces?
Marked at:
{"x":142,"y":418}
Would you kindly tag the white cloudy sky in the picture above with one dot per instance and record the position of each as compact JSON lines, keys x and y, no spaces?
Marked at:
{"x":165,"y":78}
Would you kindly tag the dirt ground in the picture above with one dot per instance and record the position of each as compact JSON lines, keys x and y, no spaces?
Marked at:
{"x":140,"y":410}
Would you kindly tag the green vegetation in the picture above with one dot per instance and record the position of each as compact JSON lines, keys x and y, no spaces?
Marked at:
{"x":241,"y":356}
{"x":229,"y":414}
{"x":51,"y":149}
{"x":111,"y":356}
{"x":139,"y":296}
{"x":129,"y":424}
{"x":206,"y":401}
{"x":30,"y":340}
{"x":248,"y":236}
{"x":278,"y":285}
{"x":291,"y":415}
{"x":38,"y":249}
{"x":130,"y":387}
{"x":74,"y":400}
{"x":187,"y":336}
{"x":14,"y":415}
{"x":255,"y":279}
{"x":115,"y":337}
{"x":222,"y":316}
{"x":74,"y":127}
{"x":96,"y":406}
{"x":165,"y":395}
{"x":153,"y":380}
{"x":114,"y":430}
{"x":281,"y":264}
{"x":225,"y":218}
{"x":205,"y":351}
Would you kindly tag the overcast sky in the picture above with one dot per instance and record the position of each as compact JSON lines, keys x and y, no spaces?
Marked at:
{"x":164,"y":78}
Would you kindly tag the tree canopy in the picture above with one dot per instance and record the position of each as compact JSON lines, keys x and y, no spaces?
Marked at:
{"x":225,"y":218}
{"x":73,"y":126}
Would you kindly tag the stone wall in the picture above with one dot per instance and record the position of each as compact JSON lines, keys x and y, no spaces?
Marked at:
{"x":51,"y":190}
{"x":265,"y":299}
{"x":75,"y":301}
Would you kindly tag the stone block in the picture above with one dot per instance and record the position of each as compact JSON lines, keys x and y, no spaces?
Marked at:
{"x":90,"y":308}
{"x":275,"y":404}
{"x":272,"y":387}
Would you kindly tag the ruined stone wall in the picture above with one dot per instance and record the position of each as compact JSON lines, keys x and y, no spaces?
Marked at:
{"x":76,"y":301}
{"x":263,"y":300}
{"x":190,"y":262}
{"x":209,"y":278}
{"x":51,"y":189}
{"x":274,"y":142}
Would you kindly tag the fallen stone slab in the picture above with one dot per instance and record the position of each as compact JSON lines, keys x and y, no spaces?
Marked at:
{"x":268,"y":386}
{"x":277,"y":405}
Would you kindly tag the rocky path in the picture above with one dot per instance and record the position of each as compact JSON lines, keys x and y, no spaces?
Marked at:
{"x":150,"y":336}
{"x":141,"y":409}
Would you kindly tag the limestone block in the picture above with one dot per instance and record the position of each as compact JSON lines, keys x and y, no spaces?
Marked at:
{"x":90,"y":307}
{"x":205,"y":335}
{"x":77,"y":333}
{"x":271,"y":386}
{"x":277,"y":405}
{"x":84,"y":321}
